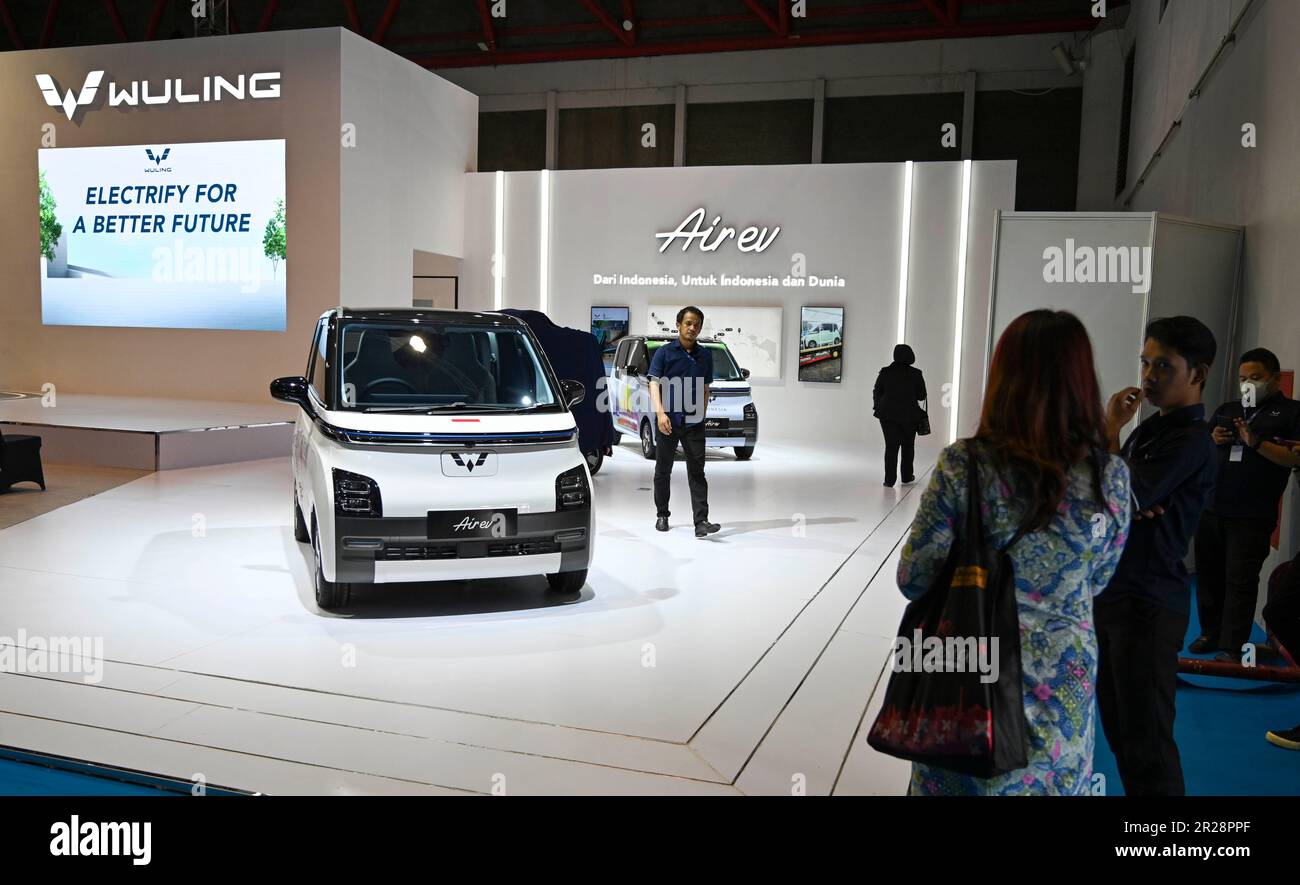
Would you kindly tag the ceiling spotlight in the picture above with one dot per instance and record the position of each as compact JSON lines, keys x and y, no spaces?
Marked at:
{"x":482,"y":46}
{"x":627,"y":24}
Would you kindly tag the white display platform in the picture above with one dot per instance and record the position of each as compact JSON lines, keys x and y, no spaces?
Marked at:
{"x":749,"y":662}
{"x":149,"y":434}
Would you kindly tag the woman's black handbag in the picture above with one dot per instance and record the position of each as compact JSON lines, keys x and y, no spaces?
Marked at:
{"x":950,"y":717}
{"x":923,"y":423}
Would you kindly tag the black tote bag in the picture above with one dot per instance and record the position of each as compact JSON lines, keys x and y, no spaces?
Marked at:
{"x":952,"y":718}
{"x":923,"y":423}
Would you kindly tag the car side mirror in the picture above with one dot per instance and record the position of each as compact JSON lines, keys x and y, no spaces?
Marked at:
{"x":744,"y":373}
{"x":574,"y":392}
{"x":290,"y":390}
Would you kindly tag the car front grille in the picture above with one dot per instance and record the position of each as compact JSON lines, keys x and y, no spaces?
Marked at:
{"x":397,"y":552}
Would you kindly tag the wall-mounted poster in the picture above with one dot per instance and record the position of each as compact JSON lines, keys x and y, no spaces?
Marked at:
{"x":821,"y":344}
{"x":609,"y":324}
{"x":752,"y":334}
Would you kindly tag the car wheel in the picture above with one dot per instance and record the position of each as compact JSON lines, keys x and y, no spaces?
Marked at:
{"x":300,"y":533}
{"x":567,"y":582}
{"x":594,"y":460}
{"x":329,"y":594}
{"x":837,"y":342}
{"x":809,"y":345}
{"x":647,"y":440}
{"x":743,"y":452}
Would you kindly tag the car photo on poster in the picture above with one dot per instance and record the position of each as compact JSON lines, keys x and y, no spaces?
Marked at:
{"x":821,"y":344}
{"x":435,"y":445}
{"x":730,"y":421}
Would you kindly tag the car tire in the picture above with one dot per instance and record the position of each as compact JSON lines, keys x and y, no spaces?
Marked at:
{"x":594,"y":460}
{"x":837,"y":342}
{"x":330,"y":595}
{"x":743,"y":453}
{"x":809,"y":345}
{"x":567,"y":582}
{"x":300,"y":533}
{"x":647,"y":440}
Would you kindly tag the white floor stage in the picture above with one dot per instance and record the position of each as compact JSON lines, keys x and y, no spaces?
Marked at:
{"x":149,"y":434}
{"x":749,"y":662}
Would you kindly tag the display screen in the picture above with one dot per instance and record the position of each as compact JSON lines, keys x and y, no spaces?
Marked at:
{"x":609,"y":324}
{"x":187,"y":236}
{"x":821,"y":344}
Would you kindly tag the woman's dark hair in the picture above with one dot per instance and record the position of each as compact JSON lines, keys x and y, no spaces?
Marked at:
{"x":903,"y":354}
{"x":1042,"y":409}
{"x":1262,"y":355}
{"x":1189,"y":336}
{"x":681,"y":314}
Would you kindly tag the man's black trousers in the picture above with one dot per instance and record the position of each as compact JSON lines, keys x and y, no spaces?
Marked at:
{"x":691,"y":437}
{"x":1137,"y":673}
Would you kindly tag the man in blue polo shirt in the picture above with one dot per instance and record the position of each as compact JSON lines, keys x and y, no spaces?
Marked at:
{"x":680,"y":374}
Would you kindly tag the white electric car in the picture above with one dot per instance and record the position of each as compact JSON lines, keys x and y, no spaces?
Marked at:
{"x":820,"y":335}
{"x":730,"y":419}
{"x":433,"y":446}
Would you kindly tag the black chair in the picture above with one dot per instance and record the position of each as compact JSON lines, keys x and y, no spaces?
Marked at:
{"x":20,"y":461}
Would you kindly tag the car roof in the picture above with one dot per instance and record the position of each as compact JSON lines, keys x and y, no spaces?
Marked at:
{"x":674,"y":338}
{"x":422,"y":315}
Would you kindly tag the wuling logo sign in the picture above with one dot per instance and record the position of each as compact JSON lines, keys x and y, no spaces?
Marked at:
{"x":171,"y":91}
{"x":157,"y":158}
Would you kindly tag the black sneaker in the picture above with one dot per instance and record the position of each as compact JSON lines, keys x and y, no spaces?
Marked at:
{"x":661,"y":524}
{"x":908,"y":480}
{"x":705,"y":528}
{"x":1287,"y":740}
{"x":1202,"y":645}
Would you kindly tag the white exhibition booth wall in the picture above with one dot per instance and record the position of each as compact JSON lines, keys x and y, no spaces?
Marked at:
{"x":375,"y":154}
{"x":571,"y":240}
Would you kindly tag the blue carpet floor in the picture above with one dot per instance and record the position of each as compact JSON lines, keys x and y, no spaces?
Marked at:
{"x":1220,"y":729}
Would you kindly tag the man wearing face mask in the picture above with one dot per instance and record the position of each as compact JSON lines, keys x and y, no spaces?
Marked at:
{"x":1232,"y":541}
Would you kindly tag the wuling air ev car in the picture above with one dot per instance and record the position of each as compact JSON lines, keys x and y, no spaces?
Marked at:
{"x":435,"y":445}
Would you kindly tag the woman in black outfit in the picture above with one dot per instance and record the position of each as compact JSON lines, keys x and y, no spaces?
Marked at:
{"x":899,"y":389}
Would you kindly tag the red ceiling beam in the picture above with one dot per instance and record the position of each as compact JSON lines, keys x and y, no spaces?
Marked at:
{"x":765,"y":41}
{"x":111,"y":7}
{"x":629,"y":15}
{"x":938,"y":13}
{"x":268,"y":13}
{"x":617,"y":30}
{"x":47,"y":30}
{"x":390,"y":13}
{"x":230,"y":16}
{"x":155,"y":19}
{"x":764,"y":16}
{"x":354,"y":18}
{"x":11,"y":26}
{"x":783,"y":18}
{"x":489,"y":30}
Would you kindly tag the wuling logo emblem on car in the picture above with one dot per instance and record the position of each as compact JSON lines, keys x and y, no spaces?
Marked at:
{"x":469,"y":464}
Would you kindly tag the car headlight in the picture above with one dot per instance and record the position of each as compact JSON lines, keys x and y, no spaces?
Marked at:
{"x":571,"y":490}
{"x":356,"y":495}
{"x":751,"y":413}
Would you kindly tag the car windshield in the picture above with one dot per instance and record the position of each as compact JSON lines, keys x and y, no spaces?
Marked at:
{"x":441,"y":366}
{"x":724,"y":365}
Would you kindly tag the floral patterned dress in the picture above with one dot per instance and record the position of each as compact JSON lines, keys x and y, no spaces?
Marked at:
{"x":1058,"y":570}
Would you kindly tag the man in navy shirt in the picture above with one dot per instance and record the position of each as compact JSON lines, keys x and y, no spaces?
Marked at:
{"x":1236,"y":531}
{"x":1141,"y":617}
{"x":680,"y":374}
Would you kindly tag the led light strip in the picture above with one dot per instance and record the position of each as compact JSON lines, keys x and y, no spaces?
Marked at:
{"x":904,"y":255}
{"x":498,"y":248}
{"x":544,"y":258}
{"x":961,"y":296}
